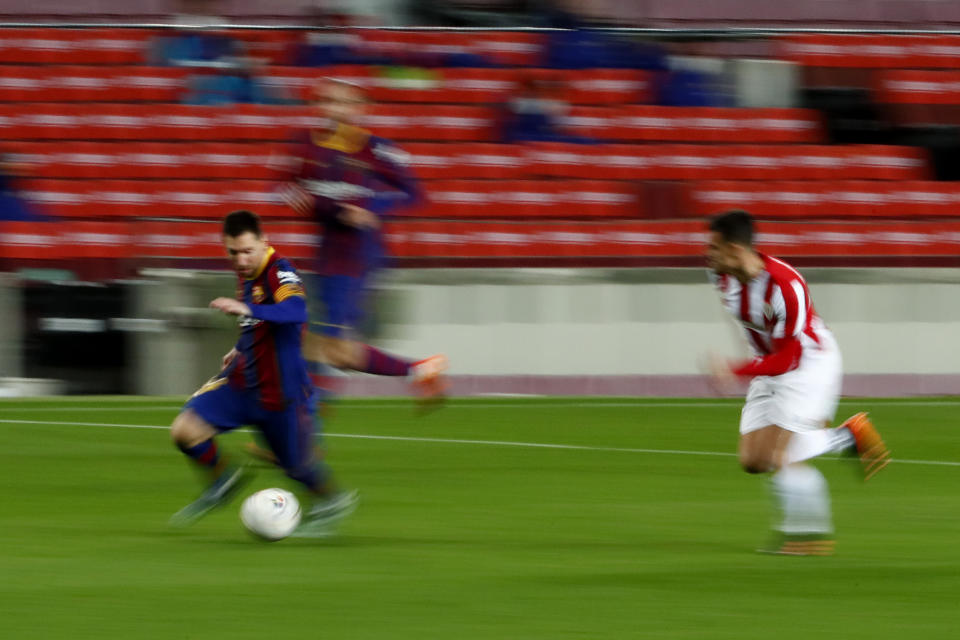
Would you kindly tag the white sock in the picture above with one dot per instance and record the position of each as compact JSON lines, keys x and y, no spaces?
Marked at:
{"x":802,"y":494}
{"x":810,"y":444}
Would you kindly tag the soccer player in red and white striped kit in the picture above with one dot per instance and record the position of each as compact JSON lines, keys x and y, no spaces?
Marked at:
{"x":795,"y":378}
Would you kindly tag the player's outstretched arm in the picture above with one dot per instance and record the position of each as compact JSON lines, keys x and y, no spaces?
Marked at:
{"x":230,"y":306}
{"x":785,"y":357}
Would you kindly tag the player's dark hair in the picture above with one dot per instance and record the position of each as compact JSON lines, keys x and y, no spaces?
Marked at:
{"x":734,"y":226}
{"x":240,"y":222}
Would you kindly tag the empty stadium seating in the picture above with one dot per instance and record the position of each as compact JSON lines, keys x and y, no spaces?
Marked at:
{"x":132,"y":172}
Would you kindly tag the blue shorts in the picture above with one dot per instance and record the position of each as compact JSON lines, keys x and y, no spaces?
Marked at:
{"x":343,"y":299}
{"x":289,"y":433}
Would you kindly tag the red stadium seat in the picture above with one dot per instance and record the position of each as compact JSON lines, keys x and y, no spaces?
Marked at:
{"x":237,"y":160}
{"x":85,"y":160}
{"x":791,"y":200}
{"x":178,"y":239}
{"x":270,"y":47}
{"x":432,"y":160}
{"x":29,"y":240}
{"x":814,"y":162}
{"x":710,"y":197}
{"x":147,"y":84}
{"x":432,"y":122}
{"x":74,"y":46}
{"x":295,"y":239}
{"x":448,"y":85}
{"x":530,"y":199}
{"x":260,"y":196}
{"x":601,"y":123}
{"x":511,"y":48}
{"x":921,"y":199}
{"x":298,"y":82}
{"x":563,"y":160}
{"x":847,"y":50}
{"x":62,"y":198}
{"x":600,"y":198}
{"x":120,"y":122}
{"x":190,"y":199}
{"x":685,"y":161}
{"x":625,"y":162}
{"x":41,"y":122}
{"x":608,"y":87}
{"x":458,"y":199}
{"x":166,"y":160}
{"x":122,"y":198}
{"x":96,"y":240}
{"x":882,"y":162}
{"x":489,"y":161}
{"x":25,"y":84}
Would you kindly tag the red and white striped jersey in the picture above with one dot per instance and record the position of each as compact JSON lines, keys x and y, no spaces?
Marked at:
{"x":776,"y":314}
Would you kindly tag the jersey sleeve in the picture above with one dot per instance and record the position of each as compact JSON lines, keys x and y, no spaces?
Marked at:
{"x":289,"y":298}
{"x":392,"y":166}
{"x":784,"y":358}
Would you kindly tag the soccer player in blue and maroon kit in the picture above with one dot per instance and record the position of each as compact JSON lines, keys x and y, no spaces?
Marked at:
{"x":264,"y":382}
{"x":347,"y":179}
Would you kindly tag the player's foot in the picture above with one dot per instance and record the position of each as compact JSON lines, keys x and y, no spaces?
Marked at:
{"x":321,"y":520}
{"x":219,"y":493}
{"x":873,"y":453}
{"x":429,"y":380}
{"x":800,"y":544}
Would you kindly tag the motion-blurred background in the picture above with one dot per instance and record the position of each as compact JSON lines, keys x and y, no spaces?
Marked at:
{"x":570,"y":151}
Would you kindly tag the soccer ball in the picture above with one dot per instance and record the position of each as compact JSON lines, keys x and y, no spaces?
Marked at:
{"x":271,"y":514}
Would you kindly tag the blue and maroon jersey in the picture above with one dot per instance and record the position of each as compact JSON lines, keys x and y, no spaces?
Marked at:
{"x":269,"y":361}
{"x":352,"y":166}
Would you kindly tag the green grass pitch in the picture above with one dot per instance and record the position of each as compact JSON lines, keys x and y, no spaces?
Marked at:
{"x":641,"y":526}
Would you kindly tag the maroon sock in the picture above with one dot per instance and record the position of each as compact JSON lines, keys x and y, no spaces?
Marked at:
{"x":384,"y":364}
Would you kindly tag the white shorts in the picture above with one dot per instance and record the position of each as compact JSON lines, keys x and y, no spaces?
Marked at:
{"x":799,"y":400}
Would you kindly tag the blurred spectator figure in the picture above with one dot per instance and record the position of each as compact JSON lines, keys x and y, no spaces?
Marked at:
{"x":535,"y":114}
{"x":13,"y":207}
{"x":335,"y":43}
{"x":236,"y":85}
{"x":691,"y":88}
{"x":576,"y":47}
{"x":226,"y":75}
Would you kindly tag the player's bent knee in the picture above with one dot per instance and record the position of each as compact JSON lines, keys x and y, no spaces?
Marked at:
{"x":753,"y":463}
{"x":189,"y":429}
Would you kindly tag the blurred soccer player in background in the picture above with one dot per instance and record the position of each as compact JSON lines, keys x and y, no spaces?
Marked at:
{"x":263,"y":382}
{"x":794,"y":389}
{"x":348,"y":179}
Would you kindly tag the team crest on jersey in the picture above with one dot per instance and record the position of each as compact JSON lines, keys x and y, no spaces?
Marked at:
{"x":257,"y":294}
{"x":768,"y":312}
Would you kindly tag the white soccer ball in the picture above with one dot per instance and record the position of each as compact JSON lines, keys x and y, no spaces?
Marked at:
{"x":271,"y":514}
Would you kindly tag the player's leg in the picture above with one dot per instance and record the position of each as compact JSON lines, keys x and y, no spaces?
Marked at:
{"x":814,"y":391}
{"x":332,"y":342}
{"x":194,"y":433}
{"x":805,"y":525}
{"x":291,"y":435}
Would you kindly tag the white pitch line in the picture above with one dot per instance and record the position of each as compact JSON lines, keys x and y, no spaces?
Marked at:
{"x":494,"y":443}
{"x":353,"y":404}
